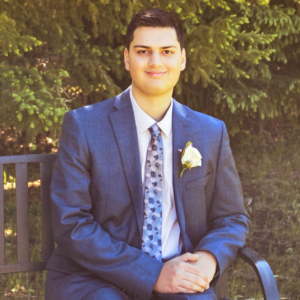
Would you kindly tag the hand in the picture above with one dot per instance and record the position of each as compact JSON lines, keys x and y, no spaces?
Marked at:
{"x":206,"y":263}
{"x":178,"y":275}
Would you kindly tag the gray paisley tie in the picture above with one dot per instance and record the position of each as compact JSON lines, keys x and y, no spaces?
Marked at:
{"x":151,"y":241}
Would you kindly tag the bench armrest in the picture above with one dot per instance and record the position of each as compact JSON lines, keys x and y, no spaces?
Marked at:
{"x":263,"y":272}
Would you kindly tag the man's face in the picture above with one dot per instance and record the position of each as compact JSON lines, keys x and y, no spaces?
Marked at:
{"x":155,"y":60}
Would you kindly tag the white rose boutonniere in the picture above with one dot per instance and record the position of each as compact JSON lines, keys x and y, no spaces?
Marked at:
{"x":190,"y":158}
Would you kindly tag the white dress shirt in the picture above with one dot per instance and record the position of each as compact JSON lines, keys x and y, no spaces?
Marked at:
{"x":171,"y":239}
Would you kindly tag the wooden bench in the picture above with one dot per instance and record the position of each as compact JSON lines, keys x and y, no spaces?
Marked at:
{"x":261,"y":267}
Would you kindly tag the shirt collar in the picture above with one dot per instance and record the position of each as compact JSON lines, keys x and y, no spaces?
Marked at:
{"x":144,"y":121}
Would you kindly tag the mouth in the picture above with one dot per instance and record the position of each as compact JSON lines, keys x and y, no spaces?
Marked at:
{"x":155,"y":74}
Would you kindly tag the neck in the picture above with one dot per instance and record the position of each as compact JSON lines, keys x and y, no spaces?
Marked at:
{"x":155,"y":106}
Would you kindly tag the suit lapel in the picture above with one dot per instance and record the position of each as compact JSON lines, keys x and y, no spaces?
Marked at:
{"x":123,"y":123}
{"x":181,"y":131}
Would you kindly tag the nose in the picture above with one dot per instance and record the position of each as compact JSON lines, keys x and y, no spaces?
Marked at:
{"x":155,"y":59}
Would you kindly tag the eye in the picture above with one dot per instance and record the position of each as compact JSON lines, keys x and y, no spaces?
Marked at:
{"x":168,"y":52}
{"x":142,"y":52}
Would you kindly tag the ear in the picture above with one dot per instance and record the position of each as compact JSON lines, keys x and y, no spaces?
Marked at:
{"x":183,"y":59}
{"x":126,"y":59}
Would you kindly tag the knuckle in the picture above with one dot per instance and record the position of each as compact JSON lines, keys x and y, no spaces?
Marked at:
{"x":193,"y":279}
{"x":205,"y":277}
{"x":174,"y":269}
{"x":177,"y":275}
{"x":173,"y":281}
{"x":197,"y":280}
{"x":194,"y":269}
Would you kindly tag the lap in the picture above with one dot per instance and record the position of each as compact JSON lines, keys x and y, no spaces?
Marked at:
{"x":62,"y":286}
{"x":81,"y":286}
{"x":106,"y":293}
{"x":111,"y":293}
{"x":207,"y":295}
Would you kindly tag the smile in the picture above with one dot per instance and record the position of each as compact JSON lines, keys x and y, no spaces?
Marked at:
{"x":155,"y":74}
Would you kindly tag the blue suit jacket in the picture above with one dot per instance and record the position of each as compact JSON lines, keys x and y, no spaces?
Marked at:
{"x":97,"y":195}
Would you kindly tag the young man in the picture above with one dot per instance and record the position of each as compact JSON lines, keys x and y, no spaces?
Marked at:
{"x":127,"y":223}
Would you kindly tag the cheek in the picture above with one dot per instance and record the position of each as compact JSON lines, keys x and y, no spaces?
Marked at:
{"x":137,"y":65}
{"x":174,"y":65}
{"x":134,"y":70}
{"x":175,"y":71}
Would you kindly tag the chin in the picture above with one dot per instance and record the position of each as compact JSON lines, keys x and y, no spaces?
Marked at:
{"x":157,"y":89}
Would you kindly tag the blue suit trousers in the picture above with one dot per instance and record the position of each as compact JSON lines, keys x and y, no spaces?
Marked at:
{"x":62,"y":286}
{"x":110,"y":293}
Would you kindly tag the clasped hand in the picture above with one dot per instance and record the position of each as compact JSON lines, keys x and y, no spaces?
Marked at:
{"x":188,"y":273}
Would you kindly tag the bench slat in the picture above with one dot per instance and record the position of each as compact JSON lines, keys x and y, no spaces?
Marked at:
{"x":47,"y":235}
{"x":24,"y":267}
{"x":2,"y":253}
{"x":29,"y":158}
{"x":22,"y":213}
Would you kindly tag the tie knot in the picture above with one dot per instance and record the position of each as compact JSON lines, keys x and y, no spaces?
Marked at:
{"x":155,"y":131}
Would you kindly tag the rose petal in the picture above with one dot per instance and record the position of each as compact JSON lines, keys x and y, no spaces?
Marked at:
{"x":192,"y":155}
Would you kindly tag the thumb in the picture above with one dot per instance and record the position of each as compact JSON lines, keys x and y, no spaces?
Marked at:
{"x":191,"y":257}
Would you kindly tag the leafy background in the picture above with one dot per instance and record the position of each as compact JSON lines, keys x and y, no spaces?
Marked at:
{"x":242,"y":67}
{"x":243,"y":59}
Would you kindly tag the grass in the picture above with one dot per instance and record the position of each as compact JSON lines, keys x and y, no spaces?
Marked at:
{"x":270,"y":175}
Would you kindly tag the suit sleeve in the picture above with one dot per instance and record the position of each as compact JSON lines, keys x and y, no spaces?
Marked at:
{"x":76,"y":232}
{"x":228,"y":221}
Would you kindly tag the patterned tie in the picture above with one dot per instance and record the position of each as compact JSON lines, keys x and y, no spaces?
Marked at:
{"x":151,"y":242}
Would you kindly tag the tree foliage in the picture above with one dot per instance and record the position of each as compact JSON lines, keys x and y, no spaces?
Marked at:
{"x":243,"y":58}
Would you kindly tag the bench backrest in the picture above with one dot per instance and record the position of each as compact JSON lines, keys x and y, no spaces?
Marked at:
{"x":21,"y":162}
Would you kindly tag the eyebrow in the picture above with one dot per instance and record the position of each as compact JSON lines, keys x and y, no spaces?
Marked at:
{"x":147,"y":47}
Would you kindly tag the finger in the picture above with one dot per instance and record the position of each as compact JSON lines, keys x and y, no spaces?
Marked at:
{"x":193,"y":270}
{"x":188,"y":267}
{"x":190,"y":286}
{"x":184,"y":290}
{"x":196,"y":280}
{"x":190,"y":257}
